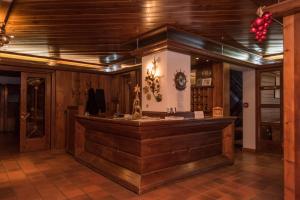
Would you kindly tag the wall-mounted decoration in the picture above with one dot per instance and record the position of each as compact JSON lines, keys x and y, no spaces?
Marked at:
{"x":260,"y":26}
{"x":137,"y":110}
{"x":152,"y":80}
{"x":180,"y":80}
{"x":206,"y":82}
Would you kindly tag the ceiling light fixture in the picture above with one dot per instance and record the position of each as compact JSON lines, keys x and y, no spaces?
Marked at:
{"x":277,"y":56}
{"x":4,"y":38}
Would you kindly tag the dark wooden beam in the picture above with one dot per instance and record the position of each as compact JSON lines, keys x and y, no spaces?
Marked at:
{"x":284,"y":8}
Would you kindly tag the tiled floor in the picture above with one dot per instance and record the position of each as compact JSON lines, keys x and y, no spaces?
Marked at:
{"x":45,"y":175}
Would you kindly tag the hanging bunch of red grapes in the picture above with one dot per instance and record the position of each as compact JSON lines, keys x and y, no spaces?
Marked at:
{"x":260,"y":26}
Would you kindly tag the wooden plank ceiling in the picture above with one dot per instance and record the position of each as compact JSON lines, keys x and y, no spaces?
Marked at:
{"x":84,"y":30}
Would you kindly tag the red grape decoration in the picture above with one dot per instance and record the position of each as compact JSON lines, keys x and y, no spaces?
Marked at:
{"x":260,"y":26}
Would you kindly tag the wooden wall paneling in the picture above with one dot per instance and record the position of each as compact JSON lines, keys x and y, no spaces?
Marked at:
{"x":226,"y":89}
{"x":83,"y":88}
{"x":217,"y":70}
{"x":127,"y":87}
{"x":105,"y":83}
{"x":115,"y":92}
{"x":64,"y":98}
{"x":53,"y":111}
{"x":122,"y":89}
{"x":71,"y":90}
{"x":94,"y":78}
{"x":75,"y":88}
{"x":1,"y":108}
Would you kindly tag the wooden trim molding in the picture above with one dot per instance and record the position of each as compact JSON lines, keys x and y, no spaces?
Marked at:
{"x":284,"y":8}
{"x":186,"y":49}
{"x":36,"y":62}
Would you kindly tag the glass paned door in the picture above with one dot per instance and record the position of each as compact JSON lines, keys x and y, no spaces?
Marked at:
{"x":35,"y":112}
{"x":270,"y":111}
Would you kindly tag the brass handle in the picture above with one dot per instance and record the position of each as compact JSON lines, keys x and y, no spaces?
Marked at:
{"x":25,"y":116}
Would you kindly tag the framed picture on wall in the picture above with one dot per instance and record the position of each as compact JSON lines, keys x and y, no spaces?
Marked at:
{"x":206,"y":82}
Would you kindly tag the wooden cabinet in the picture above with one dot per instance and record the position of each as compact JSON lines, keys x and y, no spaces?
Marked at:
{"x":202,"y":99}
{"x":208,"y":87}
{"x":269,"y":112}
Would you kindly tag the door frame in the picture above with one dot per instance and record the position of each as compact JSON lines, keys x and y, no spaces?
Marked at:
{"x":258,"y":107}
{"x":40,"y":143}
{"x":29,"y":69}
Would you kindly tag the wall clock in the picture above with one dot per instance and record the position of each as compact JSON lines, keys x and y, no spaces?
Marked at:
{"x":180,"y":80}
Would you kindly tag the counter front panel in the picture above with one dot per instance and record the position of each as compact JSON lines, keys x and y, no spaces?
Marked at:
{"x":142,"y":155}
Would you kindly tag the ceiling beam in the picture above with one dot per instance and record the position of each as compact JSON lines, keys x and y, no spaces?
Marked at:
{"x":284,"y":8}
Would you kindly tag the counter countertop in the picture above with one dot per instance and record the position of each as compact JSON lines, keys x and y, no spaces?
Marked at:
{"x":151,"y":121}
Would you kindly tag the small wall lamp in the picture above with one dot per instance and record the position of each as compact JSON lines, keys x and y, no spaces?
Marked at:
{"x":152,"y":80}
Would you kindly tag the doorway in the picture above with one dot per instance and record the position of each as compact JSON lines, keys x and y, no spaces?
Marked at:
{"x":10,"y":84}
{"x":236,"y":105}
{"x":269,"y":112}
{"x":25,"y":111}
{"x":35,"y":111}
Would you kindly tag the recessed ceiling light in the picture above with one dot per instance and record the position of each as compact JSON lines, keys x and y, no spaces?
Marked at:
{"x":274,"y":57}
{"x":52,"y":63}
{"x":207,"y":60}
{"x":107,"y":60}
{"x":197,"y":58}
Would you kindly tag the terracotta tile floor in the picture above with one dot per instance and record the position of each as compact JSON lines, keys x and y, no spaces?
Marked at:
{"x":45,"y":175}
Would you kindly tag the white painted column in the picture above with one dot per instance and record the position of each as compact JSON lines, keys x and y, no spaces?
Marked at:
{"x":168,"y":63}
{"x":249,"y":114}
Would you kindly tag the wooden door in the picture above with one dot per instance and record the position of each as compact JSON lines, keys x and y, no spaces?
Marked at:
{"x":35,"y":111}
{"x":269,"y":112}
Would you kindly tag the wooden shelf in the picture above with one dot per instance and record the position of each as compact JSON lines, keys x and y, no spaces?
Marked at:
{"x":202,"y":98}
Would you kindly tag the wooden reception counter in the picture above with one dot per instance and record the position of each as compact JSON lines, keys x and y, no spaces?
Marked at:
{"x":143,"y":154}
